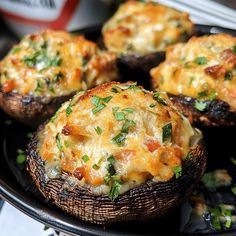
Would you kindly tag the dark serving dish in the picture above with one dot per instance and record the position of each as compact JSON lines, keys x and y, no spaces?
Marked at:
{"x":17,"y":188}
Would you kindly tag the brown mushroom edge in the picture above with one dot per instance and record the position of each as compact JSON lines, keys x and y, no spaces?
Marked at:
{"x":28,"y":109}
{"x":149,"y":200}
{"x":215,"y":113}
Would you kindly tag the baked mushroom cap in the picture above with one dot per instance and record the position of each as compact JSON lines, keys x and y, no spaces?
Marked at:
{"x":140,"y":28}
{"x":116,"y":153}
{"x":47,"y":68}
{"x":200,"y":77}
{"x":139,"y":32}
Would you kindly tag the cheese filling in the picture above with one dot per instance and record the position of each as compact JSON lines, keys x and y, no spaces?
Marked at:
{"x":203,"y":68}
{"x":141,"y":28}
{"x":116,"y":137}
{"x":55,"y":63}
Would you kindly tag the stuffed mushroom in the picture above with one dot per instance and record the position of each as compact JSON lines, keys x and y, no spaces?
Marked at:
{"x":139,"y":33}
{"x":47,"y":68}
{"x":200,"y":78}
{"x":116,"y":153}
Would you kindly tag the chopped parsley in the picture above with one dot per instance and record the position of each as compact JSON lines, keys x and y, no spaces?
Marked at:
{"x":98,"y":102}
{"x":213,"y":95}
{"x":200,"y":60}
{"x":152,"y":105}
{"x":203,"y":93}
{"x":85,"y":158}
{"x":158,"y":98}
{"x":200,"y":105}
{"x":128,"y":124}
{"x":58,"y":141}
{"x":15,"y":50}
{"x":166,"y":132}
{"x":120,"y":116}
{"x":98,"y":108}
{"x":58,"y":77}
{"x":95,"y":166}
{"x":114,"y":193}
{"x":128,"y":110}
{"x":177,"y":171}
{"x":85,"y":61}
{"x":40,"y":60}
{"x":189,"y":155}
{"x":66,"y":143}
{"x":69,"y":109}
{"x":115,"y":89}
{"x":233,"y":160}
{"x":233,"y":189}
{"x":234,"y":48}
{"x":20,"y":159}
{"x":98,"y":130}
{"x":228,"y":76}
{"x":119,"y":139}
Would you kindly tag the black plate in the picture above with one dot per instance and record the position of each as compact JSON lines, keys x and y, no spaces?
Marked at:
{"x":16,"y":186}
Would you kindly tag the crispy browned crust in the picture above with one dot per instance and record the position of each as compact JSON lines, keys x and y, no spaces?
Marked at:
{"x":28,"y":109}
{"x":216,"y":113}
{"x":149,"y":200}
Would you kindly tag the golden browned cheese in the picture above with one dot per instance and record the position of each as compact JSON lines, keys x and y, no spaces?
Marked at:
{"x":142,"y":28}
{"x":116,"y":135}
{"x":203,"y":68}
{"x":55,"y":63}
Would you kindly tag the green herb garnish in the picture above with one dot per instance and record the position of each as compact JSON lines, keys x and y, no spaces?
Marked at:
{"x":200,"y":105}
{"x":233,"y":160}
{"x":203,"y":93}
{"x":228,"y":76}
{"x":114,"y":193}
{"x":158,"y":98}
{"x":20,"y":159}
{"x":85,"y":158}
{"x":119,"y":139}
{"x":152,"y":105}
{"x":128,"y":124}
{"x":213,"y":95}
{"x":177,"y":171}
{"x":200,"y":60}
{"x":15,"y":50}
{"x":233,"y":189}
{"x":166,"y":132}
{"x":120,"y":116}
{"x":95,"y":166}
{"x":58,"y":141}
{"x":98,"y":108}
{"x":68,"y":109}
{"x":234,"y":48}
{"x":128,"y":110}
{"x":115,"y":89}
{"x":107,"y":99}
{"x":98,"y":130}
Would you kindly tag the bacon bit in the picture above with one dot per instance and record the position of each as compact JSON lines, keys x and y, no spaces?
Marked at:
{"x":124,"y":30}
{"x":125,"y":96}
{"x":125,"y":154}
{"x":229,"y":56}
{"x":66,"y":130}
{"x":215,"y":71}
{"x":8,"y":86}
{"x":79,"y":172}
{"x":77,"y":74}
{"x":152,"y":145}
{"x":14,"y":61}
{"x":74,"y":130}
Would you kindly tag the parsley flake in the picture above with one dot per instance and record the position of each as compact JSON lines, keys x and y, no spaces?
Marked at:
{"x":177,"y":171}
{"x":98,"y":108}
{"x":166,"y":132}
{"x":200,"y":60}
{"x":85,"y":158}
{"x":119,"y":139}
{"x":228,"y":76}
{"x":158,"y":98}
{"x":128,"y":110}
{"x":58,"y":141}
{"x":20,"y":159}
{"x":98,"y":130}
{"x":200,"y":105}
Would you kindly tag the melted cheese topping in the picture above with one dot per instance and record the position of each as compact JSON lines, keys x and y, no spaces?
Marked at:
{"x":142,"y":28}
{"x":203,"y":68}
{"x":54,"y":63}
{"x":115,"y":133}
